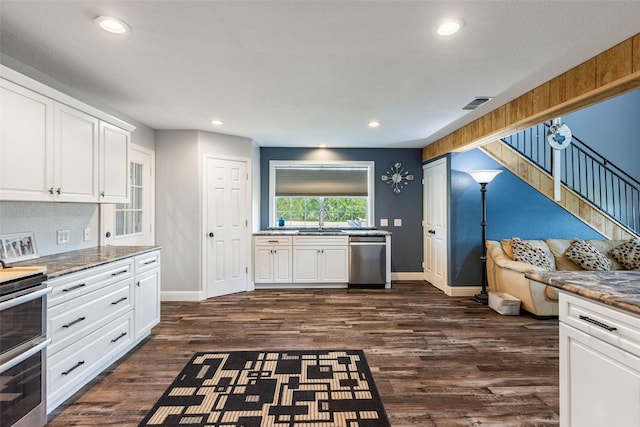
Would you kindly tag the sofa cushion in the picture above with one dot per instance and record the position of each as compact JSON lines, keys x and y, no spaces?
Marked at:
{"x":558,"y":247}
{"x":524,"y":251}
{"x":628,"y":254}
{"x":587,"y":256}
{"x":604,"y":247}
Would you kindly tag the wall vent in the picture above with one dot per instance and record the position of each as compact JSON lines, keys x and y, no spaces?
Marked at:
{"x":477,"y":101}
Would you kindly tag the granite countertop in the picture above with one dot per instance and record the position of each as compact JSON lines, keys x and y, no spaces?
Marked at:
{"x":324,"y":232}
{"x":70,"y":262}
{"x":620,"y":288}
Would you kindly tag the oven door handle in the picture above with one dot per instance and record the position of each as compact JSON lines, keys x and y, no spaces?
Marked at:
{"x":24,"y":298}
{"x":24,"y":356}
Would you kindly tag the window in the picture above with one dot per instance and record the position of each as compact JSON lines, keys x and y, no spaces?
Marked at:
{"x":307,"y":194}
{"x":129,"y":215}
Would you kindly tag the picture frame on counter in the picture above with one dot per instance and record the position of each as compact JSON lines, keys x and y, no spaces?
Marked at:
{"x":16,"y":247}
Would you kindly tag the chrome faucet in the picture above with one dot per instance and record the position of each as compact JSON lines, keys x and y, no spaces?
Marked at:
{"x":323,"y":211}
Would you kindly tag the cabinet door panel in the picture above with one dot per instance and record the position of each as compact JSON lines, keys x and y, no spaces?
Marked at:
{"x":114,"y":164}
{"x":263,"y":265}
{"x":76,"y":156}
{"x":335,"y":264}
{"x":306,"y":264}
{"x":599,"y":383}
{"x":26,"y":143}
{"x":147,"y":302}
{"x":282,"y":269}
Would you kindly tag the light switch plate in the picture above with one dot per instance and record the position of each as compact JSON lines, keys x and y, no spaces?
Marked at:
{"x":86,"y":234}
{"x":397,"y":222}
{"x":384,"y":222}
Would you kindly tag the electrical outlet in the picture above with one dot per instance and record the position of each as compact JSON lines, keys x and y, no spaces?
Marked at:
{"x":86,"y":234}
{"x":63,"y":237}
{"x":397,"y":222}
{"x":384,"y":222}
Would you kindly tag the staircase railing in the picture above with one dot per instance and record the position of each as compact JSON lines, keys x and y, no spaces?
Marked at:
{"x":587,"y":173}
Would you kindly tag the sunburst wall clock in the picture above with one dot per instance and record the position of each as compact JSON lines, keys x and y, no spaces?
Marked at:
{"x":397,"y":177}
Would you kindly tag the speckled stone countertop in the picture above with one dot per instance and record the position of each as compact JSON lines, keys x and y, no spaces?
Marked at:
{"x":70,"y":262}
{"x":324,"y":232}
{"x":620,"y":288}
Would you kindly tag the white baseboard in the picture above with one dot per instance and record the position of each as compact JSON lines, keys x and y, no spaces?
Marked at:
{"x":411,"y":275}
{"x":181,"y":296}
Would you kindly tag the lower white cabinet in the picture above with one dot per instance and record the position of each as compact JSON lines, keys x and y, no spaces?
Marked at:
{"x":95,"y":316}
{"x":599,"y":364}
{"x":320,"y":259}
{"x":273,"y":259}
{"x":147,"y":293}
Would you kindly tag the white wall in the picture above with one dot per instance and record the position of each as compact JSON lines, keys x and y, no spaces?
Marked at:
{"x":45,"y":218}
{"x":179,"y":158}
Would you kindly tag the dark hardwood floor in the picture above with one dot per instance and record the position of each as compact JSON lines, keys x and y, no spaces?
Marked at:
{"x":437,"y":360}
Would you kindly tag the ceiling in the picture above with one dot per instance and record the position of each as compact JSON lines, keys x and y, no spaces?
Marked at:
{"x":301,"y":73}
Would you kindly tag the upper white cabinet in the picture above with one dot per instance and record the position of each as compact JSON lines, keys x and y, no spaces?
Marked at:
{"x":26,"y":144}
{"x":55,"y":148}
{"x":114,"y":164}
{"x":75,"y":154}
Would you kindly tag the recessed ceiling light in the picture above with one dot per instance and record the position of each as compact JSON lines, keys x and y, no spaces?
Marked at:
{"x":112,"y":25}
{"x":217,"y":122}
{"x":450,"y":27}
{"x":374,"y":124}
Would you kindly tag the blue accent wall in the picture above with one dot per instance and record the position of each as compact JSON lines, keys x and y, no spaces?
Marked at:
{"x":406,"y":241}
{"x":514,"y":208}
{"x":612,"y":128}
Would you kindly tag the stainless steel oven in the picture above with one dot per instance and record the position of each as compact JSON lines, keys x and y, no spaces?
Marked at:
{"x":23,"y":341}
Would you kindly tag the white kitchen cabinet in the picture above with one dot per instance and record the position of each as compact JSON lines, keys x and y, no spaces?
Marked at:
{"x":26,"y":144}
{"x":320,"y":259}
{"x":114,"y":164}
{"x":95,"y":316}
{"x":75,"y":151}
{"x":147,"y":293}
{"x":55,"y":148}
{"x":273,"y":259}
{"x":599,"y":364}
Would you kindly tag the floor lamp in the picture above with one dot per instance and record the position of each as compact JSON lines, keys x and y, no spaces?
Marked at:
{"x":483,"y":177}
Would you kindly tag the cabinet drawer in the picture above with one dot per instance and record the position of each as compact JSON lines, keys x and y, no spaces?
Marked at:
{"x":73,"y":319}
{"x":606,"y":323}
{"x":147,"y":261}
{"x":273,"y":240}
{"x":77,"y":284}
{"x":321,"y":240}
{"x":77,"y":364}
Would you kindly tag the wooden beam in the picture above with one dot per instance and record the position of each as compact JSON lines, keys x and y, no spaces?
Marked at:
{"x":609,"y":74}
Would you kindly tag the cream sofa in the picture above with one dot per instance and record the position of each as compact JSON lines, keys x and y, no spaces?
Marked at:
{"x":504,"y":274}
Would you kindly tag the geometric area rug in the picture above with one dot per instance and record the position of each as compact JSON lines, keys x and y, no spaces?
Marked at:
{"x":328,"y":388}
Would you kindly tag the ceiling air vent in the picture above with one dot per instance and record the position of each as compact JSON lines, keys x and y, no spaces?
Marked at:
{"x":477,"y":101}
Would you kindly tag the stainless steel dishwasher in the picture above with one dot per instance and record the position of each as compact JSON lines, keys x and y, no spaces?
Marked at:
{"x":367,"y":261}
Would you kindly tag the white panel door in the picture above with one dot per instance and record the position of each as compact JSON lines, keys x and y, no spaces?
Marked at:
{"x":226,"y":261}
{"x":435,"y":230}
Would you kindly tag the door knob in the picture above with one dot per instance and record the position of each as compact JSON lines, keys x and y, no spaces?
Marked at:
{"x":211,"y":234}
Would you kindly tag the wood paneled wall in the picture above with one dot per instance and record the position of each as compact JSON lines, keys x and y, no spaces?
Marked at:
{"x":609,"y":74}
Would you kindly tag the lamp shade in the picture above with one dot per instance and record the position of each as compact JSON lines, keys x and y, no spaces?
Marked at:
{"x":484,"y":176}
